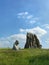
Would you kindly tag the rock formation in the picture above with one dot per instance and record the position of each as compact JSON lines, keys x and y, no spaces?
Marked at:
{"x":32,"y":41}
{"x":15,"y":46}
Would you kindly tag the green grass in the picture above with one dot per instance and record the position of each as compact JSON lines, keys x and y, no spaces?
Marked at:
{"x":24,"y":57}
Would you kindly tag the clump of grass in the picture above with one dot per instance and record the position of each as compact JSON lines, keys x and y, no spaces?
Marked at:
{"x":39,"y":60}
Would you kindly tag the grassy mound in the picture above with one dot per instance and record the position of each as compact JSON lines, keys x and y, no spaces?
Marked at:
{"x":24,"y":57}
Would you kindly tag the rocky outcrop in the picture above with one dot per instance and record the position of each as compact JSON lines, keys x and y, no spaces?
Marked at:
{"x":15,"y":46}
{"x":32,"y":41}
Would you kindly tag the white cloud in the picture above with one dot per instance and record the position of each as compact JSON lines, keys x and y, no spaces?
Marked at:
{"x":8,"y":41}
{"x":46,"y":26}
{"x":33,"y":21}
{"x":29,"y":18}
{"x":22,"y":30}
{"x":22,"y":13}
{"x":17,"y":36}
{"x":25,"y":13}
{"x":37,"y":30}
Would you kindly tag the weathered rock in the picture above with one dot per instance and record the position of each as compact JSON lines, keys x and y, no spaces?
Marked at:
{"x":32,"y":41}
{"x":15,"y":46}
{"x":37,"y":42}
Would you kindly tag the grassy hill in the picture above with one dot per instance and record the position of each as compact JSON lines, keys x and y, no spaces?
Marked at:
{"x":24,"y":57}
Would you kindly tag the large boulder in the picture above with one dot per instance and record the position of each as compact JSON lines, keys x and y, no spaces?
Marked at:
{"x":32,"y":41}
{"x":15,"y":45}
{"x":37,"y":42}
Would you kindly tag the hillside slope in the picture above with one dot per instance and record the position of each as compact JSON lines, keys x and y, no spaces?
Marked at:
{"x":24,"y":57}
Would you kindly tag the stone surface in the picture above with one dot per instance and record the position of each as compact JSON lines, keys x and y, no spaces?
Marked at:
{"x":32,"y":41}
{"x":15,"y":46}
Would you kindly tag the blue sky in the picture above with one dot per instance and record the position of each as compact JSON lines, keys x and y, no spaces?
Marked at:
{"x":17,"y":17}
